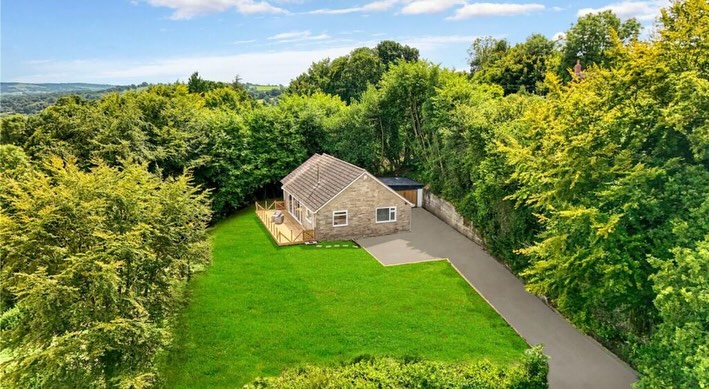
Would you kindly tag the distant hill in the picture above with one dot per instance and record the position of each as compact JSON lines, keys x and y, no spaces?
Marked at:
{"x":28,"y":98}
{"x":20,"y":88}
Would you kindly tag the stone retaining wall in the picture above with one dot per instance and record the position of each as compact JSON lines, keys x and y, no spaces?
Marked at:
{"x":447,"y":212}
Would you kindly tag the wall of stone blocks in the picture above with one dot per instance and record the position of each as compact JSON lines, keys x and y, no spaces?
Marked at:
{"x":361,"y":200}
{"x":447,"y":212}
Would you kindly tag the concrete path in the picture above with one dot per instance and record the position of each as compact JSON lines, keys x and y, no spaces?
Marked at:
{"x":576,"y":360}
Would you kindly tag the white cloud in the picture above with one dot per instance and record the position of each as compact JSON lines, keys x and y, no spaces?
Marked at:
{"x":559,"y":36}
{"x":381,"y":5}
{"x":431,"y":42}
{"x":187,"y":9}
{"x":495,"y":9}
{"x":429,"y":6}
{"x":374,"y":6}
{"x":265,"y":67}
{"x":290,"y":35}
{"x":297,"y":36}
{"x":641,"y":10}
{"x":279,"y":66}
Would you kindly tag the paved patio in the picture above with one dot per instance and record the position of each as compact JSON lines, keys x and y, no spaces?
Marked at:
{"x":576,"y":360}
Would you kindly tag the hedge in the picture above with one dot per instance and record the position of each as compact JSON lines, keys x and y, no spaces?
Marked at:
{"x":370,"y":372}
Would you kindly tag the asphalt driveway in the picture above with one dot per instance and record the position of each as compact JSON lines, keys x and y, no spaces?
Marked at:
{"x":576,"y":360}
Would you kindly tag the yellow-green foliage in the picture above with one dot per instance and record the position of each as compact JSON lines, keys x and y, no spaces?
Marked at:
{"x":92,"y":265}
{"x":530,"y":373}
{"x":615,"y":165}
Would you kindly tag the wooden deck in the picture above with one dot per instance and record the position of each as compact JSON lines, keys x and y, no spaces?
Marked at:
{"x":289,"y":232}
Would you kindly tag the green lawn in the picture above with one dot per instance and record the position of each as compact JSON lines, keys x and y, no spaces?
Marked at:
{"x":260,"y":308}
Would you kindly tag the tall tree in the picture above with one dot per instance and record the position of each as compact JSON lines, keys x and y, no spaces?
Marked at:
{"x":520,"y":68}
{"x":352,"y":74}
{"x":593,"y":38}
{"x":391,"y":52}
{"x":349,"y":76}
{"x":486,"y":51}
{"x":678,"y":353}
{"x":615,"y":171}
{"x":91,"y":268}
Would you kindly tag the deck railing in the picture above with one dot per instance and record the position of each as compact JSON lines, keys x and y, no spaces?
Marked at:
{"x":281,"y":238}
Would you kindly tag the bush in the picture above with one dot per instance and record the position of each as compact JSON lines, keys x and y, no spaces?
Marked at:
{"x":371,"y":372}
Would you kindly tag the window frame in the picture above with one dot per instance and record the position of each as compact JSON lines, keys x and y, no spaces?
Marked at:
{"x":309,"y":213}
{"x":390,"y":220}
{"x":347,"y":218}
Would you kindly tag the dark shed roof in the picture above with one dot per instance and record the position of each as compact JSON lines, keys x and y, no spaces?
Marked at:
{"x":400,"y":183}
{"x":319,"y":179}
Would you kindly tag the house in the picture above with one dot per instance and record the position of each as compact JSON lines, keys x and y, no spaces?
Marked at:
{"x":338,"y":200}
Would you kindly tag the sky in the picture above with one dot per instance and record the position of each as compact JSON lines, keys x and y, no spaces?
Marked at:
{"x":268,"y":42}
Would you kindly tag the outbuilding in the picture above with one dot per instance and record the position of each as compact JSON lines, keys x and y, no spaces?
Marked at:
{"x":407,"y":188}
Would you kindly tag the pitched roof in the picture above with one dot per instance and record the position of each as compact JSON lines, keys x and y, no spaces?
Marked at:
{"x":319,"y":179}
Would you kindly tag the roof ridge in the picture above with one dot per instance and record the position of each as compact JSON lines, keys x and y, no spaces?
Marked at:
{"x":320,"y":178}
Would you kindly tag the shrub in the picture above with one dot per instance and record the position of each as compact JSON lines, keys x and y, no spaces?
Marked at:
{"x":371,"y":372}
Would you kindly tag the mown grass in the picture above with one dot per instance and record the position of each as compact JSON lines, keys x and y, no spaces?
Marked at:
{"x":259,"y":309}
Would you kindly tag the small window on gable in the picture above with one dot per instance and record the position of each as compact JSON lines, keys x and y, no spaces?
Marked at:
{"x":308,"y":215}
{"x":339,"y":218}
{"x":386,"y":215}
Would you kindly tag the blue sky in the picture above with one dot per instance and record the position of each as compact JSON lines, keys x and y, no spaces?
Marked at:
{"x":272,"y":41}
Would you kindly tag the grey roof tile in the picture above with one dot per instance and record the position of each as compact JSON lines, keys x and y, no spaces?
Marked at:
{"x":319,"y":179}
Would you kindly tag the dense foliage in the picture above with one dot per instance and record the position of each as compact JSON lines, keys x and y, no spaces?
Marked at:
{"x":593,"y":187}
{"x":28,"y":101}
{"x":367,"y":372}
{"x":592,"y":193}
{"x":92,"y":266}
{"x":31,"y":102}
{"x":218,"y":133}
{"x":349,"y":76}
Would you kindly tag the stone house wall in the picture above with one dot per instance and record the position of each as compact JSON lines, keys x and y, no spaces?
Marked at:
{"x":360,"y":200}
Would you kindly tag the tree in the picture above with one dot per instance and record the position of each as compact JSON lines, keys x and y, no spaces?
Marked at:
{"x":352,"y":74}
{"x":358,"y":137}
{"x":684,"y":36}
{"x":520,"y":68}
{"x":92,"y":265}
{"x":196,"y":84}
{"x":315,"y":79}
{"x":313,"y":117}
{"x":486,"y":51}
{"x":614,"y":168}
{"x":678,"y":353}
{"x":348,"y":76}
{"x":13,"y":162}
{"x":593,"y":38}
{"x":391,"y":52}
{"x":403,"y":91}
{"x":13,"y":130}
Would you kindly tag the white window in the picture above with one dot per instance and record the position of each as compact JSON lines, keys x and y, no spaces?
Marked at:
{"x":339,"y":218}
{"x":386,"y":215}
{"x":308,"y":215}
